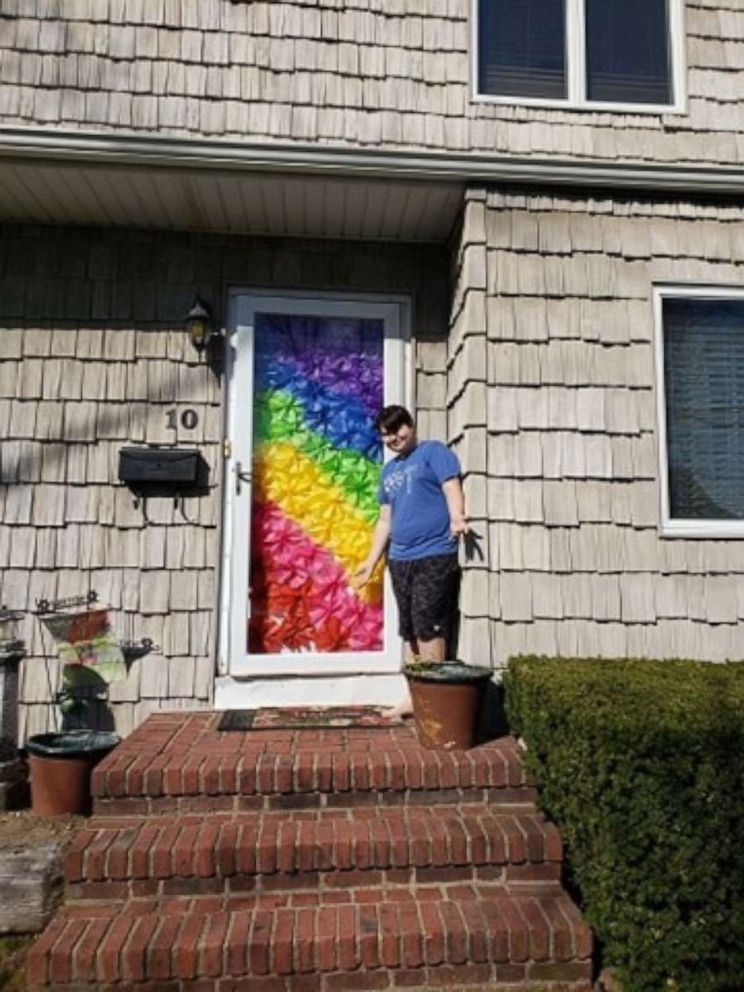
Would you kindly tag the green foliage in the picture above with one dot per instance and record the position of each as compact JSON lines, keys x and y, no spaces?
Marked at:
{"x":641,"y":764}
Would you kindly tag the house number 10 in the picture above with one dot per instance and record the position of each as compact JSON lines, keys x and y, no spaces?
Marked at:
{"x":189,"y":419}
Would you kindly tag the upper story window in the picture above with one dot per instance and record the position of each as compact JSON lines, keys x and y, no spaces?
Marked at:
{"x":612,"y":54}
{"x":700,"y":393}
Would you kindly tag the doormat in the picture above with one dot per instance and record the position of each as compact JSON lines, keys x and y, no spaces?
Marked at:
{"x":308,"y":718}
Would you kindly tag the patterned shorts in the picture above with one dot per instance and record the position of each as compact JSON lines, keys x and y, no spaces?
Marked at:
{"x":426,"y":591}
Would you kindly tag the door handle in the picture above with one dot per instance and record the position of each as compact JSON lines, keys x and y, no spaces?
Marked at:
{"x":240,"y":476}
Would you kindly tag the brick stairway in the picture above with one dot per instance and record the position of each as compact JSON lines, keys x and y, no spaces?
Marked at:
{"x":311,"y":861}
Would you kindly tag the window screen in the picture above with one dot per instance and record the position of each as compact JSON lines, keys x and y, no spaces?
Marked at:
{"x":627,"y":51}
{"x":522,"y":48}
{"x":704,"y":379}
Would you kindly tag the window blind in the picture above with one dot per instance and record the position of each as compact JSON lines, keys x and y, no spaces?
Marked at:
{"x":522,"y":48}
{"x":628,"y":51}
{"x":704,"y":384}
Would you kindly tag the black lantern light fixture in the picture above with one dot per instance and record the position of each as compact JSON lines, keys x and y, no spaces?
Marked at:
{"x":198,"y":323}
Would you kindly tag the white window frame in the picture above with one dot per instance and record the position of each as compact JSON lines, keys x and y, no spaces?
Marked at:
{"x":576,"y":98}
{"x":675,"y":526}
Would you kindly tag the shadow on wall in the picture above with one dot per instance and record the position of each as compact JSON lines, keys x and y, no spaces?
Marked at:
{"x":77,"y":281}
{"x":493,"y":722}
{"x":96,"y":714}
{"x":83,"y":703}
{"x":58,"y":448}
{"x":111,"y":420}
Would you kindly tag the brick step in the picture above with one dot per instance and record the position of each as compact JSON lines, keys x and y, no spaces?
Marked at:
{"x":294,"y":943}
{"x":326,"y":849}
{"x":182,"y":763}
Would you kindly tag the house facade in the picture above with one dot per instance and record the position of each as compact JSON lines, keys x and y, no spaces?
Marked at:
{"x":523,"y":220}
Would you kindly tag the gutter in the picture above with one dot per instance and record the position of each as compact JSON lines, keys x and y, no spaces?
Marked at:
{"x":85,"y":148}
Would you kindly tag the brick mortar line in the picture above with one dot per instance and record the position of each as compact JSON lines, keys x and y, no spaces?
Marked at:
{"x":243,"y":887}
{"x":515,"y":798}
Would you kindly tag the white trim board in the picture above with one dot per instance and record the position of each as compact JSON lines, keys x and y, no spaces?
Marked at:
{"x":353,"y":690}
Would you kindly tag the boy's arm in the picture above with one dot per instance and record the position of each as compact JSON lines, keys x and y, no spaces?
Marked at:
{"x":452,"y":489}
{"x":380,"y":538}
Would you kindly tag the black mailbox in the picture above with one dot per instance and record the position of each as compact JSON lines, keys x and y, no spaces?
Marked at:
{"x":165,"y":469}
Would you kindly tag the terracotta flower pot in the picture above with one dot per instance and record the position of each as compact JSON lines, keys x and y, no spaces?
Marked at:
{"x":447,"y":699}
{"x":60,"y":766}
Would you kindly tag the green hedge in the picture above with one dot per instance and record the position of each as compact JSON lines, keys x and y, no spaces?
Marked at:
{"x":641,"y":764}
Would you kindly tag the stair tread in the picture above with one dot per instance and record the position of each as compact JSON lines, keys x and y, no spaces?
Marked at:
{"x":203,"y":846}
{"x":141,"y":941}
{"x":177,"y":755}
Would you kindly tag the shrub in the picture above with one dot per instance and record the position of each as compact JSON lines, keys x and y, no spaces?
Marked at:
{"x":641,"y":764}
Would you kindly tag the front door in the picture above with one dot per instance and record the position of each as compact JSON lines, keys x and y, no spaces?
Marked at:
{"x":307,"y":376}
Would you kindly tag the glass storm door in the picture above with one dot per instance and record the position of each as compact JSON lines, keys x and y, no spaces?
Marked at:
{"x":307,"y":377}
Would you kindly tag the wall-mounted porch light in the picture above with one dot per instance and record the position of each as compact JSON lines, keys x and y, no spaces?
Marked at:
{"x":198,"y":324}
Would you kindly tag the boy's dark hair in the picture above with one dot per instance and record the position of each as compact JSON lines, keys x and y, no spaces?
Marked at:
{"x":391,"y":418}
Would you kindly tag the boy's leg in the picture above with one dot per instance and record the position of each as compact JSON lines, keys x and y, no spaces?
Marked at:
{"x":434,"y":604}
{"x":401,"y":576}
{"x":431,"y":606}
{"x":432,"y":650}
{"x":435,"y":649}
{"x":412,"y":652}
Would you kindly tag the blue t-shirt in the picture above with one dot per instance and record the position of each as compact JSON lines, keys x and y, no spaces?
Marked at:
{"x":412,"y":485}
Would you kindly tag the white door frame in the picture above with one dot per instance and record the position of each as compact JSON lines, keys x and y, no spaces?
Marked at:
{"x":233,"y":660}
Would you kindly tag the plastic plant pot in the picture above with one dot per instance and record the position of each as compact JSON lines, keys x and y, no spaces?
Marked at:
{"x":60,"y":765}
{"x":447,"y":698}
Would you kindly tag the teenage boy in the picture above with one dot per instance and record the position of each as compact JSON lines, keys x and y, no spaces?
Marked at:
{"x":422,"y":516}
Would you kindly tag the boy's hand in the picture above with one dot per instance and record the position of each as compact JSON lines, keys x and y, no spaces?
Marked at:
{"x":362,"y":575}
{"x":459,"y":526}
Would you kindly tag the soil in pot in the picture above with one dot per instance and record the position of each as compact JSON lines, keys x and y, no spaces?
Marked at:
{"x":60,"y":766}
{"x":447,"y":699}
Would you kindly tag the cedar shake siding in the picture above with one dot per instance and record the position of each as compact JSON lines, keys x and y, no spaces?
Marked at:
{"x":92,"y":355}
{"x":552,"y":406}
{"x":386,"y":74}
{"x":303,"y":128}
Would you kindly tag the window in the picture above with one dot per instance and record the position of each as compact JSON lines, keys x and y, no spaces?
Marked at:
{"x":700,"y":368}
{"x":580,"y":53}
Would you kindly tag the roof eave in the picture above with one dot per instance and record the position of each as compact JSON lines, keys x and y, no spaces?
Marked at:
{"x":159,"y":151}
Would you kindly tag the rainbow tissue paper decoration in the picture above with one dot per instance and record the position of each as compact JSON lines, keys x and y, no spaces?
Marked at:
{"x":317,"y":462}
